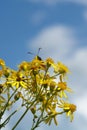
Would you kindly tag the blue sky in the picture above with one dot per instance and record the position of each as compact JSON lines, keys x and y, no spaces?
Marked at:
{"x":59,"y":27}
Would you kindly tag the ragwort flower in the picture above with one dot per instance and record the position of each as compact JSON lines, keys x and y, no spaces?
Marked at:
{"x":2,"y":63}
{"x":68,"y":108}
{"x":49,"y":62}
{"x":60,"y":68}
{"x":62,"y":87}
{"x":37,"y":64}
{"x":16,"y":79}
{"x":24,"y":66}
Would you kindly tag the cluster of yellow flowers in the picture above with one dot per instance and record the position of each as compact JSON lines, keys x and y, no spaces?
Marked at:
{"x":41,"y":87}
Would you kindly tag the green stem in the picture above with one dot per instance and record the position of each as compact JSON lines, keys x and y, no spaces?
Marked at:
{"x":55,"y":75}
{"x":38,"y":121}
{"x":6,"y":121}
{"x":8,"y":102}
{"x":22,"y":116}
{"x":8,"y":118}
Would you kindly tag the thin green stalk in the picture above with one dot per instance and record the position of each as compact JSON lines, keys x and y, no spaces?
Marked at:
{"x":55,"y":75}
{"x":22,"y":116}
{"x":8,"y":102}
{"x":7,"y":120}
{"x":38,"y":121}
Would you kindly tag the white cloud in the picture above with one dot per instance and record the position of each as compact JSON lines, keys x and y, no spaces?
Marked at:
{"x":82,"y":105}
{"x":80,"y":60}
{"x":78,"y":64}
{"x":56,"y":41}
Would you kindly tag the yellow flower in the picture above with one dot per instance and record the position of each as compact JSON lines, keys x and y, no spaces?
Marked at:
{"x":37,"y":64}
{"x":24,"y":66}
{"x":49,"y":62}
{"x":2,"y":63}
{"x":60,"y":68}
{"x":68,"y":108}
{"x":17,"y":80}
{"x":62,"y":86}
{"x":45,"y":81}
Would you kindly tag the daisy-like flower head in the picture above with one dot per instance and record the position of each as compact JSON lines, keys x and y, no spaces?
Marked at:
{"x":62,"y":87}
{"x":16,"y":79}
{"x":24,"y":66}
{"x":68,"y":108}
{"x":37,"y":64}
{"x":49,"y":62}
{"x":60,"y":68}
